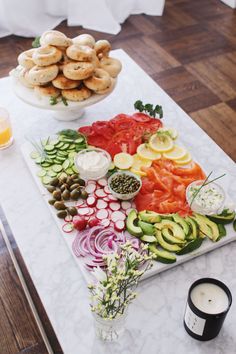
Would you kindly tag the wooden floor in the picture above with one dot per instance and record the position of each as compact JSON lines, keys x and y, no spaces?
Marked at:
{"x":191,"y":53}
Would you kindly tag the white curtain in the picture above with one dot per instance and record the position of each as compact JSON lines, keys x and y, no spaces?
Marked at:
{"x":30,"y":18}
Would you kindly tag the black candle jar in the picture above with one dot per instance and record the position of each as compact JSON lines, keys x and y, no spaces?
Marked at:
{"x":199,"y":323}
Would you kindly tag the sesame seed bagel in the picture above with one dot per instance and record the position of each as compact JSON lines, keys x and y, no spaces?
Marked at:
{"x":111,"y":65}
{"x":55,"y":38}
{"x":100,"y":80}
{"x":25,"y":59}
{"x":61,"y":82}
{"x":47,"y":55}
{"x":78,"y":70}
{"x":77,"y":94}
{"x":40,"y":75}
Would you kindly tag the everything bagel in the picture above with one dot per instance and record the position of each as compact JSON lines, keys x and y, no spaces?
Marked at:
{"x":47,"y":55}
{"x":78,"y":70}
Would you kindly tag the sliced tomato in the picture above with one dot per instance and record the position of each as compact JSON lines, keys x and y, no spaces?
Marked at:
{"x":86,"y":130}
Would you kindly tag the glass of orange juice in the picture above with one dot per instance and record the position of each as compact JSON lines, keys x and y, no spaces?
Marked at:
{"x":6,"y":137}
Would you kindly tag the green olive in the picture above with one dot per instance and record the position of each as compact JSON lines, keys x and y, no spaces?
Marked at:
{"x":66,"y":194}
{"x":61,"y":214}
{"x":75,"y":194}
{"x":56,"y":195}
{"x":52,"y":201}
{"x":54,"y":182}
{"x":84,"y":194}
{"x":72,"y":211}
{"x":59,"y":205}
{"x":51,"y":188}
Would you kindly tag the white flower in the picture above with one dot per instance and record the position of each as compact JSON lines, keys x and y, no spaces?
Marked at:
{"x":99,"y":274}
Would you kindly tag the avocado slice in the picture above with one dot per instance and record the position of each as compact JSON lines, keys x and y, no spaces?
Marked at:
{"x":149,"y":216}
{"x":206,"y":226}
{"x":175,"y":228}
{"x":226,"y":217}
{"x":168,"y":237}
{"x":148,"y":238}
{"x":148,"y":229}
{"x":182,"y":223}
{"x":132,"y":228}
{"x":167,"y":246}
{"x":190,"y":246}
{"x":234,"y":225}
{"x":222,"y":231}
{"x":193,"y":228}
{"x":162,"y":255}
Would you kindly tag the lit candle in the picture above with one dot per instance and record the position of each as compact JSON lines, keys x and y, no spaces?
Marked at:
{"x":208,"y":303}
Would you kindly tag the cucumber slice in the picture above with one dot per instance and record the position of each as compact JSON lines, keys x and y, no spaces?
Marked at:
{"x":41,"y":173}
{"x":62,"y":153}
{"x":190,"y":246}
{"x":34,"y":155}
{"x":79,"y":140}
{"x":59,"y":144}
{"x":72,"y":155}
{"x":69,"y":171}
{"x":64,"y":146}
{"x":46,"y":179}
{"x":66,"y":164}
{"x":51,"y":173}
{"x":66,"y":140}
{"x":62,"y":175}
{"x":45,"y":164}
{"x":75,"y":169}
{"x":72,"y":147}
{"x":49,"y":147}
{"x":39,"y":160}
{"x":57,"y":168}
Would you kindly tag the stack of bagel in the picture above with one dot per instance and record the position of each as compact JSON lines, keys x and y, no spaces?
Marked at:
{"x":71,"y":68}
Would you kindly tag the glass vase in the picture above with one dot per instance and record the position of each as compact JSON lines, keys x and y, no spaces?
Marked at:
{"x":109,"y":330}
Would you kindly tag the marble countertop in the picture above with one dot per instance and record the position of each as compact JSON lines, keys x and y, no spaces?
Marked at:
{"x":155,"y":320}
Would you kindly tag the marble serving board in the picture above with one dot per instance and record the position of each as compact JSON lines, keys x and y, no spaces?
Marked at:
{"x":158,"y":267}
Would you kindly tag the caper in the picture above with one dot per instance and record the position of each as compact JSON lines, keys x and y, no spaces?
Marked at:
{"x":56,"y":195}
{"x":84,"y":194}
{"x":52,"y":201}
{"x":75,"y":194}
{"x":72,"y":211}
{"x":59,"y":205}
{"x":51,"y":188}
{"x":54,"y":181}
{"x":74,"y":186}
{"x":61,"y":214}
{"x":66,"y":194}
{"x":81,"y":182}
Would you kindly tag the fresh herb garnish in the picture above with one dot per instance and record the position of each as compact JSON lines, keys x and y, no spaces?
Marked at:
{"x":64,"y":100}
{"x":149,"y":108}
{"x":53,"y":101}
{"x":205,"y":183}
{"x":36,"y":42}
{"x":70,"y":133}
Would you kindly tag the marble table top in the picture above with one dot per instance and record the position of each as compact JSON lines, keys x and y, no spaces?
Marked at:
{"x":155,"y":321}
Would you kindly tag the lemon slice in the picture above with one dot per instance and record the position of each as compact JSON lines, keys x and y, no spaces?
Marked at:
{"x":145,"y":152}
{"x":161,"y":142}
{"x":172,"y":131}
{"x":138,"y":162}
{"x":138,"y":172}
{"x":176,"y":153}
{"x":185,"y":160}
{"x":123,"y":160}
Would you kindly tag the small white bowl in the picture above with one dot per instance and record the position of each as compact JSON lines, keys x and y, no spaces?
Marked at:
{"x":198,"y":205}
{"x":124,"y":196}
{"x":93,"y":173}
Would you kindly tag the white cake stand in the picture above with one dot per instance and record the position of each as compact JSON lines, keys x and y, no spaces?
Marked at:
{"x":73,"y":111}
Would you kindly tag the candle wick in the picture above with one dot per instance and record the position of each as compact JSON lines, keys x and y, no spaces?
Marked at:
{"x":209,"y":300}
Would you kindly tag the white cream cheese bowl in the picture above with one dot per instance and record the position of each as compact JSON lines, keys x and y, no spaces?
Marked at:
{"x":92,"y":163}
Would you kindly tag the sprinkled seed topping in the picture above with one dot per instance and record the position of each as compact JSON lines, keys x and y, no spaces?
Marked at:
{"x":124,"y":184}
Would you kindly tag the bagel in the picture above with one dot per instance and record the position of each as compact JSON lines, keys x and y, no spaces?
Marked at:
{"x":55,"y":38}
{"x":84,"y":39}
{"x":100,"y":80}
{"x":48,"y":91}
{"x":40,"y":75}
{"x":80,"y":52}
{"x":21,"y":74}
{"x":61,"y":82}
{"x":25,"y":59}
{"x":47,"y":55}
{"x":77,"y":94}
{"x":111,"y":65}
{"x":78,"y":70}
{"x":106,"y":90}
{"x":102,"y":48}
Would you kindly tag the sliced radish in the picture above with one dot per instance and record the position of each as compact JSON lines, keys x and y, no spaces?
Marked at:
{"x":102,"y":182}
{"x":101,"y":204}
{"x":90,"y":188}
{"x":107,"y":189}
{"x":102,"y":214}
{"x":68,"y":227}
{"x":100,"y":193}
{"x":111,"y":197}
{"x":117,"y":215}
{"x":91,"y":211}
{"x":84,"y":211}
{"x":106,"y":199}
{"x":126,"y":205}
{"x":114,"y":206}
{"x":133,"y":205}
{"x":119,"y":225}
{"x":68,"y":218}
{"x":91,"y":201}
{"x":80,"y":203}
{"x":105,"y":222}
{"x":128,"y":211}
